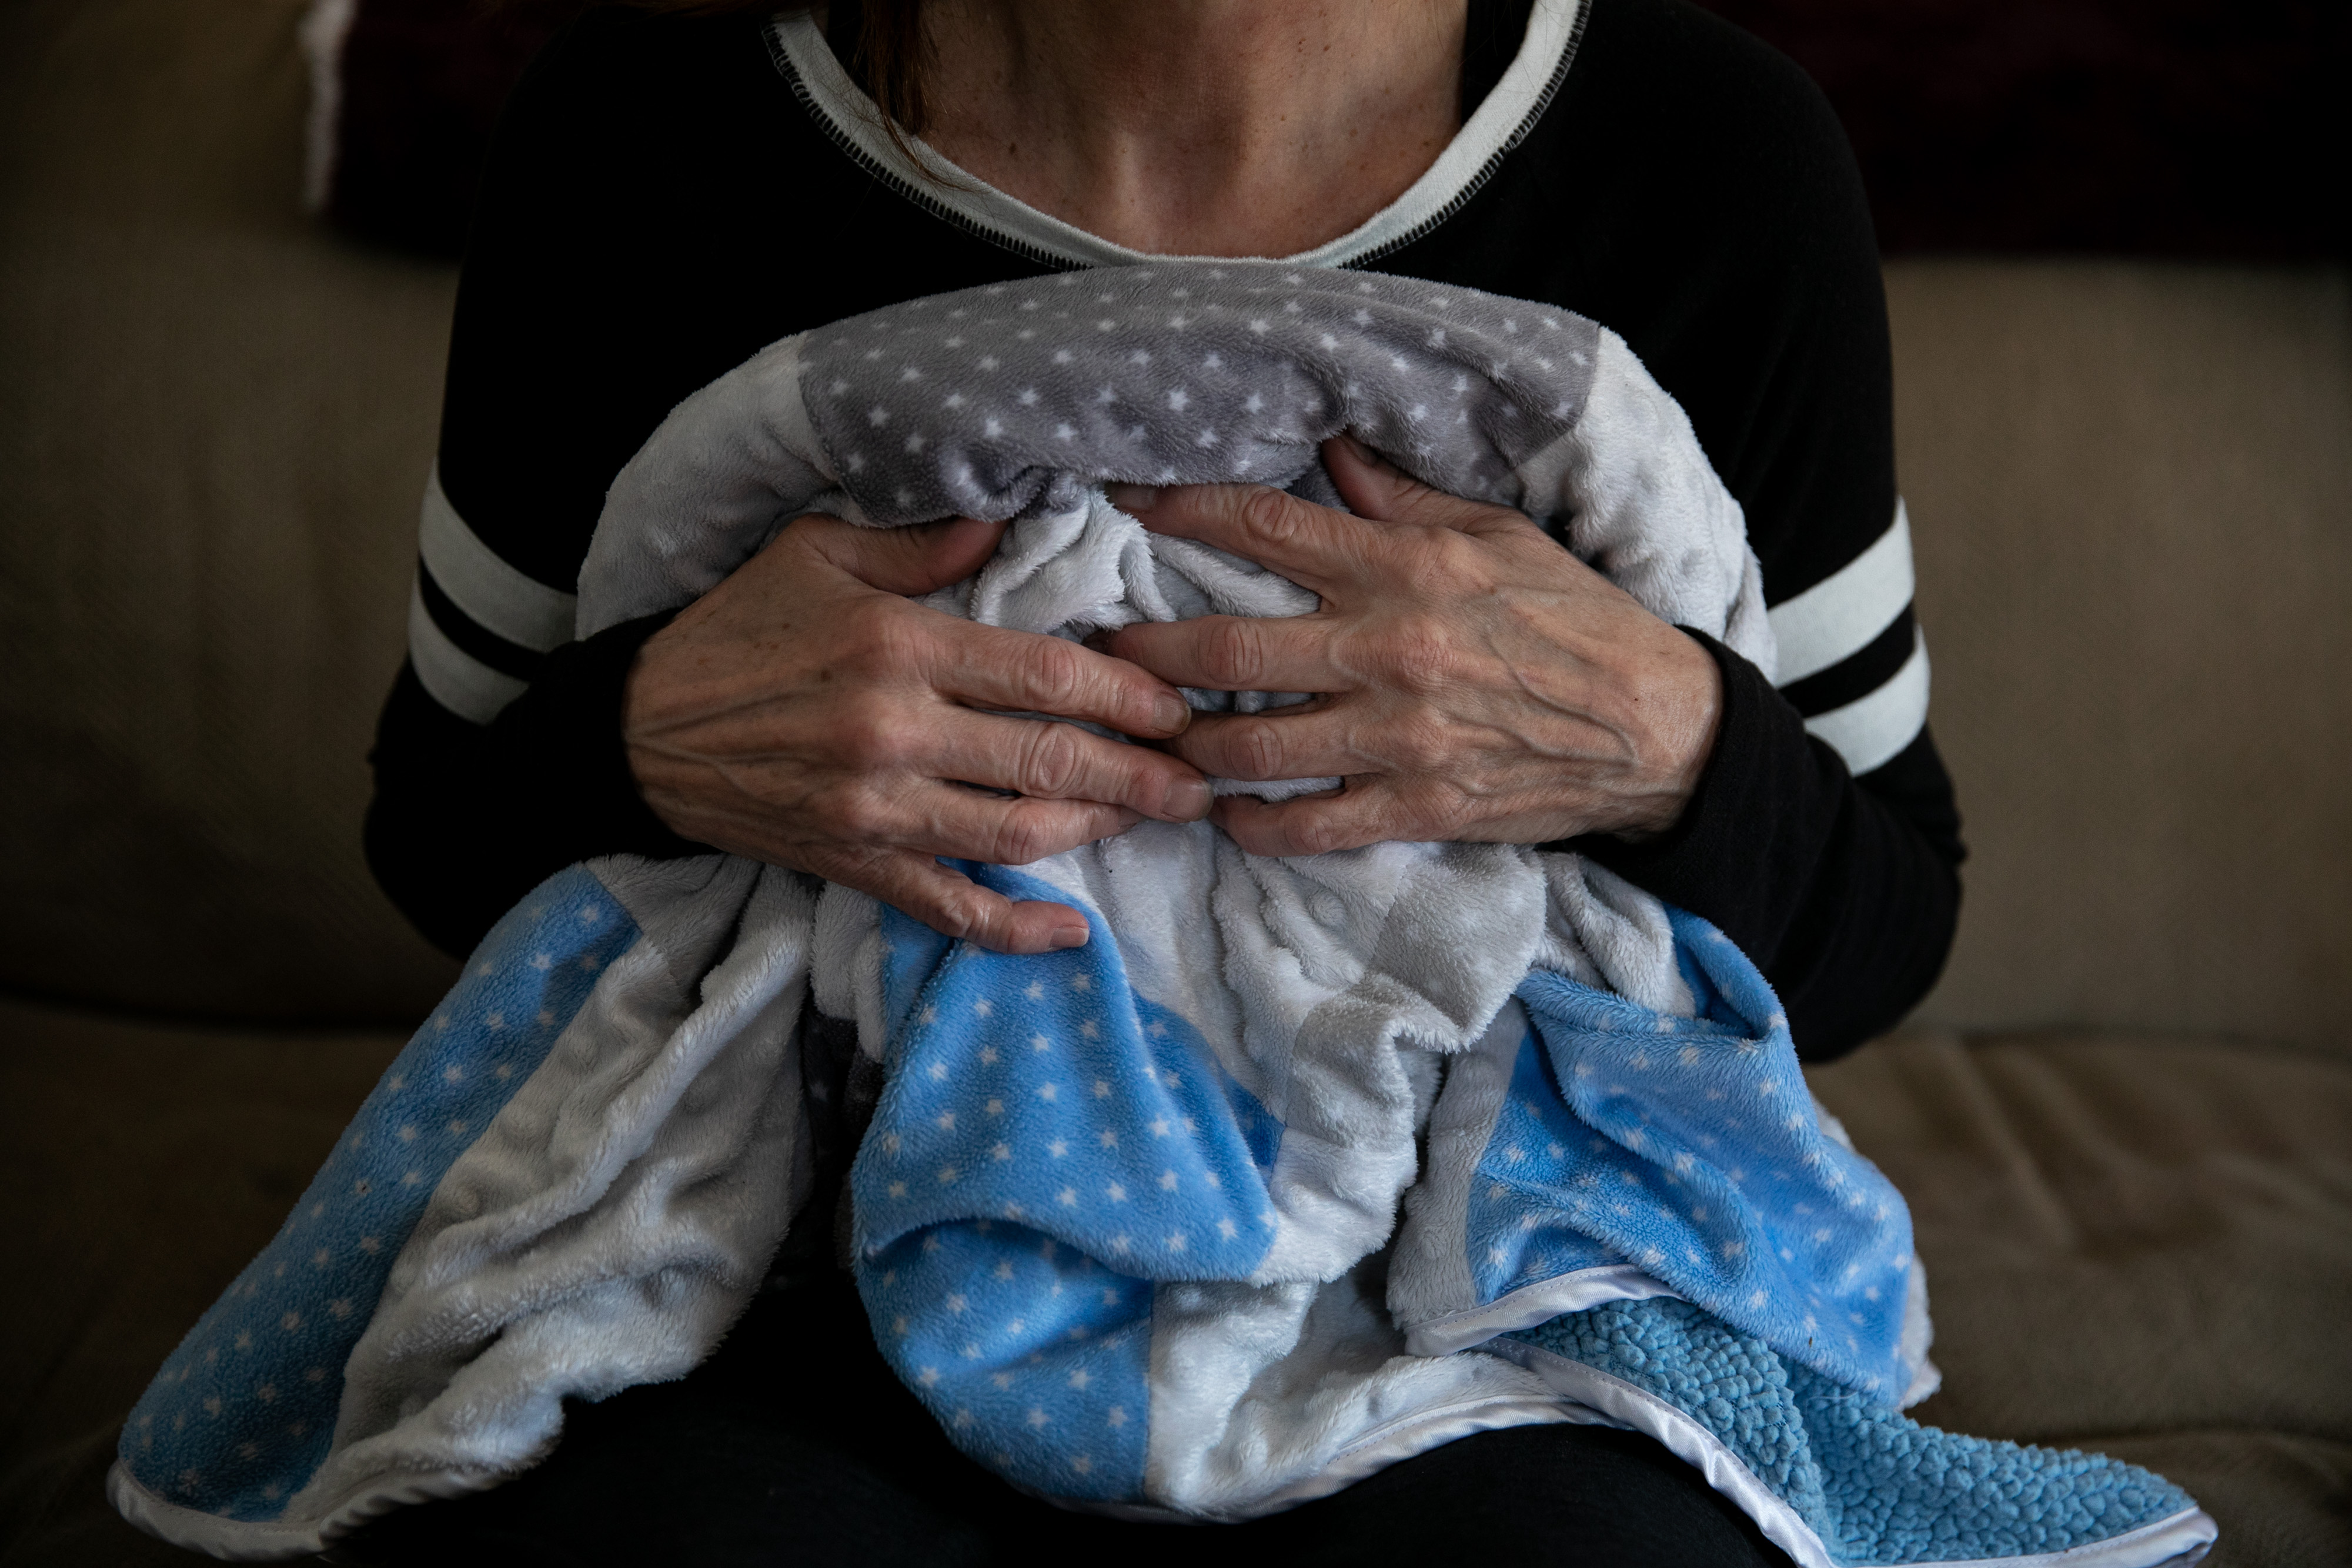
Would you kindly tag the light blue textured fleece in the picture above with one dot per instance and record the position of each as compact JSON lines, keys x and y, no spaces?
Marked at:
{"x":1874,"y":1485}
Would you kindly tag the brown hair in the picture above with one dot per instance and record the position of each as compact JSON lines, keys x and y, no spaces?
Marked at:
{"x":881,"y":44}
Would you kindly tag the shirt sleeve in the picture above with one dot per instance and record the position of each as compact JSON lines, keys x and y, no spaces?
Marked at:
{"x":498,"y":757}
{"x":1845,"y":891}
{"x":1823,"y":837}
{"x":658,"y":207}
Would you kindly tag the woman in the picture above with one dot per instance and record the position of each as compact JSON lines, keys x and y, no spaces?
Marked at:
{"x":672,"y":193}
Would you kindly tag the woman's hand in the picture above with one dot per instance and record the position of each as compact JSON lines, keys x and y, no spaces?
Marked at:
{"x":1476,"y":680}
{"x":806,"y":714}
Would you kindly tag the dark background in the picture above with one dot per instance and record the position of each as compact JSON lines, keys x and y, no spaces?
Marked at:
{"x":2123,"y":127}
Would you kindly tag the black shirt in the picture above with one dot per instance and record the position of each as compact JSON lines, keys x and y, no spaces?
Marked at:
{"x":662,"y":202}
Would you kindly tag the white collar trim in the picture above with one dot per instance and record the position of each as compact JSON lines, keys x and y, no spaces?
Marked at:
{"x":1508,"y":113}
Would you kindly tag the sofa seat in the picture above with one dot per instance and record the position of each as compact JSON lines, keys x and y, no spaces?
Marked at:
{"x":2140,"y":1244}
{"x":2137,"y":1244}
{"x":145,"y":1163}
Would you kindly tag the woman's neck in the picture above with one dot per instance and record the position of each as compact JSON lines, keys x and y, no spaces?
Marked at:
{"x":1197,"y":127}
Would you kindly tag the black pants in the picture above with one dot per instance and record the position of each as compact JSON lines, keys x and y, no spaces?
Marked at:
{"x":796,"y":1445}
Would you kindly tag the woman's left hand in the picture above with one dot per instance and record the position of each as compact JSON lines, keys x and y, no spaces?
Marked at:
{"x":1473,"y":679}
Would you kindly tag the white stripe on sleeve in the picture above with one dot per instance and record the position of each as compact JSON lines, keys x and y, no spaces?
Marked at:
{"x":494,"y":595}
{"x":1869,"y":731}
{"x":453,"y":678}
{"x":1838,"y":616}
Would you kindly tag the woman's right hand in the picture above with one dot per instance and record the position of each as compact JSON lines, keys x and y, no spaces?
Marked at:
{"x":807,"y":714}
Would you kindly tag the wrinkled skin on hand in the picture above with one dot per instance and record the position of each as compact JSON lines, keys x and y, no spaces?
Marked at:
{"x":1472,"y":681}
{"x":1475,"y":681}
{"x":808,"y":713}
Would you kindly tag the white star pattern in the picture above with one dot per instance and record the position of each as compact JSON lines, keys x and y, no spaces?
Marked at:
{"x":454,"y":1077}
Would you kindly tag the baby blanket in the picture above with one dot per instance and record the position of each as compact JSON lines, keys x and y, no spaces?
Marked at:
{"x":1297,"y":1169}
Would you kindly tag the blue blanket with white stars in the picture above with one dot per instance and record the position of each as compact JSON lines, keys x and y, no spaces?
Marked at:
{"x":1296,"y":1168}
{"x":1053,"y":1146}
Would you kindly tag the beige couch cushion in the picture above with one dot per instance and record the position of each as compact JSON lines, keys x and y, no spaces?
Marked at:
{"x":2131,"y":490}
{"x":144,"y":1164}
{"x":2140,"y":1245}
{"x":2122,"y":1234}
{"x":215,"y":425}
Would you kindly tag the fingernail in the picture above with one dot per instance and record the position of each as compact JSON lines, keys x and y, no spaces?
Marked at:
{"x":1188,"y":799}
{"x":1132,"y":498}
{"x":1170,"y":712}
{"x":1069,"y":936}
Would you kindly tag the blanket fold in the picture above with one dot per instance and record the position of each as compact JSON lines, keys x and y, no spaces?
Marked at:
{"x":1298,"y":1168}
